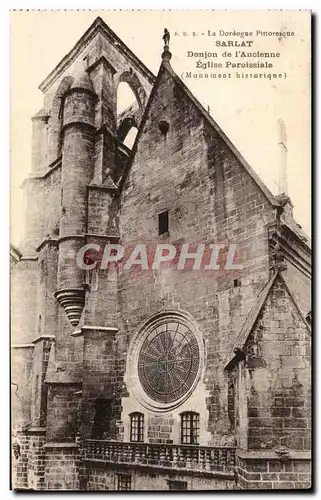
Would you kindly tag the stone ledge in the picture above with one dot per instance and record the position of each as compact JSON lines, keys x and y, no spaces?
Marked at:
{"x":19,"y":346}
{"x":46,"y":171}
{"x":43,"y":337}
{"x":67,"y":237}
{"x":29,"y":257}
{"x":47,"y":241}
{"x":80,"y":331}
{"x":103,"y":328}
{"x":86,"y":236}
{"x":36,"y":430}
{"x":61,"y":378}
{"x":97,"y":463}
{"x":61,"y":445}
{"x":103,"y":188}
{"x":76,"y":333}
{"x":102,"y":236}
{"x":272,"y":455}
{"x":32,"y":430}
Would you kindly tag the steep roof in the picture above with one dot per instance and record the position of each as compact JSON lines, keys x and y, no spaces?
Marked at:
{"x":165,"y":65}
{"x":227,"y":141}
{"x":98,"y":26}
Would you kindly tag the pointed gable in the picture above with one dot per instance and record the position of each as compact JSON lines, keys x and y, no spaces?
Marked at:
{"x":186,"y":94}
{"x":277,"y":308}
{"x":97,"y":27}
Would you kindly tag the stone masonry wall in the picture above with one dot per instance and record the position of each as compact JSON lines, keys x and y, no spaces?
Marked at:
{"x":279,"y":397}
{"x":103,"y":480}
{"x":63,"y":414}
{"x":23,"y":301}
{"x":300,"y":286}
{"x":210,"y":198}
{"x":62,"y":468}
{"x":268,"y":473}
{"x":21,"y":370}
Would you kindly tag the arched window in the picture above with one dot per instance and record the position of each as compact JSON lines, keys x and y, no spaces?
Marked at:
{"x":130,"y":99}
{"x":56,"y":119}
{"x":137,"y":427}
{"x":125,"y":97}
{"x":130,"y":137}
{"x":190,"y":427}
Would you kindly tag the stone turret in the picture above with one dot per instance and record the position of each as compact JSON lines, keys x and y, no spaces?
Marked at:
{"x":77,"y":171}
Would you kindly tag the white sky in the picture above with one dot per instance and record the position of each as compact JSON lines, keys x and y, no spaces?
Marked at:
{"x":246,"y":110}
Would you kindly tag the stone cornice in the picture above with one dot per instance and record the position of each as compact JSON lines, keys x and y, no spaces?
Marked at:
{"x":87,"y":236}
{"x":294,"y":249}
{"x":79,"y":124}
{"x":36,"y":430}
{"x":113,"y":189}
{"x":55,"y":165}
{"x":43,"y":337}
{"x":62,"y":379}
{"x":15,"y":253}
{"x":61,"y":445}
{"x":31,"y":345}
{"x":29,"y":257}
{"x":288,"y":232}
{"x":107,"y":237}
{"x":22,"y":346}
{"x":82,"y":237}
{"x":71,"y":237}
{"x":272,"y":454}
{"x":77,"y":88}
{"x":47,"y":241}
{"x":107,"y":329}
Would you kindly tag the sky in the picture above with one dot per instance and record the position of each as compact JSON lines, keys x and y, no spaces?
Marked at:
{"x":247,"y":110}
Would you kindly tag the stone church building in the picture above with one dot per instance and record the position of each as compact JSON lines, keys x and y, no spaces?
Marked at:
{"x":153,"y":378}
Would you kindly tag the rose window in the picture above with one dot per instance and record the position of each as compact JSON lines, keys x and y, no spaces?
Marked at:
{"x":167,"y":361}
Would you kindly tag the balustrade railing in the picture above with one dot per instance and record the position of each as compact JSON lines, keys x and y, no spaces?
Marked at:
{"x":194,"y":457}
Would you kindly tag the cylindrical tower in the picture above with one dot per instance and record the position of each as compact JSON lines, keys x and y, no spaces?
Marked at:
{"x":77,"y":172}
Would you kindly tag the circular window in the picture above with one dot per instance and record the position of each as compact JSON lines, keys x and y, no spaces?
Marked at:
{"x":166,"y":360}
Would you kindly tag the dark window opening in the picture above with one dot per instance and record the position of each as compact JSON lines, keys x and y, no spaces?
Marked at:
{"x":87,"y":59}
{"x":177,"y":485}
{"x":231,"y":404}
{"x":39,"y":324}
{"x":190,"y":426}
{"x":101,"y":427}
{"x":137,"y":427}
{"x":236,"y":282}
{"x":309,"y":318}
{"x":124,"y":482}
{"x":163,"y":222}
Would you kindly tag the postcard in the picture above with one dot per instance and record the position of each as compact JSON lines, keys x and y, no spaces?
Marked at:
{"x":161,"y":257}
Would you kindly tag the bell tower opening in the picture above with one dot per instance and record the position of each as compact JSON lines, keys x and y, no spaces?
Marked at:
{"x":128,"y":114}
